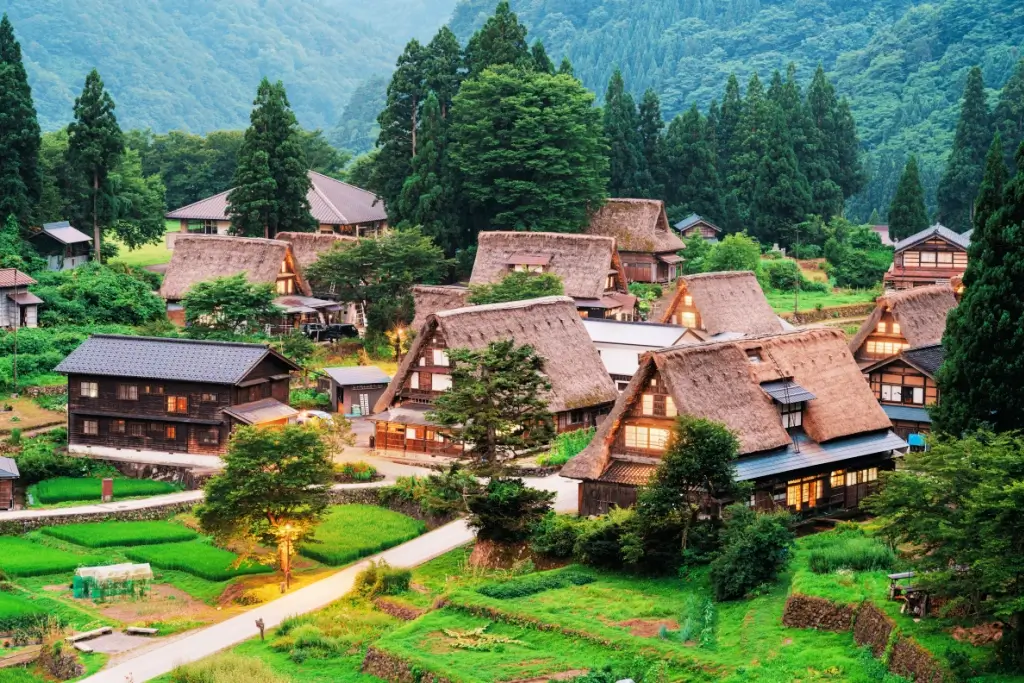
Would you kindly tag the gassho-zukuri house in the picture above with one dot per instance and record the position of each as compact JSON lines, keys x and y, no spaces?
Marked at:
{"x":811,"y":434}
{"x":647,"y":245}
{"x":581,"y":390}
{"x":337,"y":207}
{"x":731,"y":303}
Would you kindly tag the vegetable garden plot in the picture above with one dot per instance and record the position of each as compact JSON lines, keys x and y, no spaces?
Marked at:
{"x":107,"y":534}
{"x":198,"y":558}
{"x":22,"y":557}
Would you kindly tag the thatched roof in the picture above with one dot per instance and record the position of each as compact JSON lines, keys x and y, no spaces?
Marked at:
{"x":921,"y":313}
{"x":198,"y":258}
{"x":638,"y":225}
{"x":308,"y":246}
{"x":719,"y":381}
{"x":430,"y":299}
{"x":731,"y":301}
{"x":583,"y":262}
{"x":549,"y":324}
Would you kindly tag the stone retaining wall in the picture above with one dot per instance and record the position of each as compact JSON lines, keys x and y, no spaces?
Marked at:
{"x":831,"y":313}
{"x":15,"y":527}
{"x":53,"y":390}
{"x":189,"y":477}
{"x":394,"y":670}
{"x":910,"y":660}
{"x":803,"y":611}
{"x":873,"y":628}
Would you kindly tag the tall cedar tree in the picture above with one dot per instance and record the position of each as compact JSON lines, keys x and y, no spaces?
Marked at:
{"x":728,"y":120}
{"x":427,"y":198}
{"x":652,"y":141}
{"x":501,"y":40}
{"x":981,"y":377}
{"x":529,"y":150}
{"x":907,"y":213}
{"x":399,"y":121}
{"x":271,"y":181}
{"x":965,"y":165}
{"x":137,"y":202}
{"x":692,"y":184}
{"x":1009,"y":113}
{"x":20,"y":177}
{"x":781,"y":194}
{"x":444,"y":68}
{"x":629,"y":175}
{"x":95,"y":144}
{"x":565,"y":68}
{"x":541,"y":61}
{"x":748,"y":146}
{"x":497,"y":401}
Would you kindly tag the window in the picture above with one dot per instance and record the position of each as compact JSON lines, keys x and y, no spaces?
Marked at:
{"x":880,"y":328}
{"x":410,"y":432}
{"x":610,"y":282}
{"x":423,"y":361}
{"x":576,"y":417}
{"x":648,"y":438}
{"x":90,"y":427}
{"x":209,"y":437}
{"x":440,"y":358}
{"x":883,"y":349}
{"x":838,"y":478}
{"x":157,"y":389}
{"x":861,"y":477}
{"x":286,"y":286}
{"x":687,"y":300}
{"x":414,"y":381}
{"x":892,"y":392}
{"x":927,"y":259}
{"x":170,"y":432}
{"x":915,"y":396}
{"x":895,"y":328}
{"x":441,"y":382}
{"x":754,"y":355}
{"x":89,"y":390}
{"x":648,"y":407}
{"x":658,"y":405}
{"x":177,"y":404}
{"x":156,"y":427}
{"x":688,"y":319}
{"x":209,"y":398}
{"x":127,"y":392}
{"x":621,"y":385}
{"x":670,"y":407}
{"x":945,"y":259}
{"x":204,"y":227}
{"x":136,"y":429}
{"x":792,"y":415}
{"x":117,"y":427}
{"x":522,"y":268}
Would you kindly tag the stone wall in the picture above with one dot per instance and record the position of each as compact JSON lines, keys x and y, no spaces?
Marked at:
{"x":803,"y":611}
{"x":394,"y":670}
{"x":910,"y":660}
{"x":831,"y":313}
{"x":15,"y":527}
{"x":188,"y":477}
{"x":53,"y":390}
{"x":873,"y":628}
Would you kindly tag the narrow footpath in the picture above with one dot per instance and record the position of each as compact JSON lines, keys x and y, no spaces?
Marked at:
{"x":208,"y":641}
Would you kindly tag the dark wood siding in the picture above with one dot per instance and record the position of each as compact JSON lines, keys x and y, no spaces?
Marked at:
{"x":598,"y":497}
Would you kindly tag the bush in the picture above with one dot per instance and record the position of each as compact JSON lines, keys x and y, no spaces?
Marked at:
{"x":15,"y":438}
{"x":349,"y":532}
{"x":697,"y":623}
{"x":850,"y":551}
{"x":599,"y":539}
{"x":108,"y":534}
{"x":783,"y":274}
{"x":380,"y":578}
{"x":807,"y":251}
{"x":55,"y":402}
{"x":566,"y":447}
{"x":508,"y":510}
{"x":556,"y":535}
{"x":198,"y":558}
{"x":354,"y":471}
{"x":68,"y":489}
{"x":97,"y":294}
{"x":535,"y":583}
{"x":309,"y":399}
{"x":436,"y":494}
{"x":226,"y":668}
{"x":755,"y":548}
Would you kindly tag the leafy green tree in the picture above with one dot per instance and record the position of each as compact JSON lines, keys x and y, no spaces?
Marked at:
{"x":984,"y":365}
{"x":907,"y":213}
{"x":229,"y":304}
{"x":20,"y":178}
{"x":95,"y":145}
{"x":855,"y":254}
{"x":1009,"y":113}
{"x":629,"y":175}
{"x":380,"y":274}
{"x":444,"y":68}
{"x":696,"y":253}
{"x":529,"y":150}
{"x":137,"y":203}
{"x":16,"y":252}
{"x":97,"y":294}
{"x":691,"y":175}
{"x":273,"y":489}
{"x":957,"y":506}
{"x":501,"y":40}
{"x":959,"y":184}
{"x":734,"y":252}
{"x":755,"y":549}
{"x":497,"y":405}
{"x":782,"y":196}
{"x":565,"y":68}
{"x":321,"y":156}
{"x":517,"y":287}
{"x":541,"y":61}
{"x":271,"y":181}
{"x":507,"y":510}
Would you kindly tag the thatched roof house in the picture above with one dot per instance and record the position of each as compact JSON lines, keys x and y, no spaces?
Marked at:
{"x":796,"y":401}
{"x":647,"y":244}
{"x":588,"y":266}
{"x":711,"y":304}
{"x":308,"y":246}
{"x":430,"y":299}
{"x":902,"y":320}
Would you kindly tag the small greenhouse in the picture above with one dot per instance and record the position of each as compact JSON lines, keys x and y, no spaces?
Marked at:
{"x":112,"y":581}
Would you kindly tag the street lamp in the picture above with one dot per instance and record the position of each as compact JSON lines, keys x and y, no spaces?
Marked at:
{"x":287,"y":533}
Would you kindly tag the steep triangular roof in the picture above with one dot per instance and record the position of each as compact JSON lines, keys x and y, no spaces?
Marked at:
{"x":638,"y":225}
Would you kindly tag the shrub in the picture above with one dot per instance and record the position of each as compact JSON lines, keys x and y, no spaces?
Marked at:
{"x":436,"y":494}
{"x":349,"y":532}
{"x":226,"y":668}
{"x":97,"y":293}
{"x":783,"y":274}
{"x":508,"y":510}
{"x":697,"y":623}
{"x":107,"y":534}
{"x":599,"y":539}
{"x":556,"y":535}
{"x":535,"y":583}
{"x":309,"y":399}
{"x":289,"y":624}
{"x":380,"y":578}
{"x":54,"y":402}
{"x":755,"y":548}
{"x":807,"y":251}
{"x":354,"y":471}
{"x":15,"y":438}
{"x":567,"y":446}
{"x":852,"y":552}
{"x":198,"y":558}
{"x":67,"y":489}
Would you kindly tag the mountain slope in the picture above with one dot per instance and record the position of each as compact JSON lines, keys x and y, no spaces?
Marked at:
{"x":195,"y":64}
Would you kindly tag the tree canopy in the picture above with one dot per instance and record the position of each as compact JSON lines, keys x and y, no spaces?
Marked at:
{"x":517,"y":287}
{"x":229,"y":304}
{"x":959,"y":184}
{"x":907,"y":213}
{"x":20,"y":179}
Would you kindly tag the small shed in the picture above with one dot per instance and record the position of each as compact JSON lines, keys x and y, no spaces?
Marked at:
{"x":115,"y":580}
{"x":355,"y":390}
{"x":8,"y":473}
{"x":63,"y":245}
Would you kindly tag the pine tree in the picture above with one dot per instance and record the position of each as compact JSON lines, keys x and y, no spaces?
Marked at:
{"x":541,"y":61}
{"x":566,"y":67}
{"x":732,"y":110}
{"x":965,"y":165}
{"x":95,"y":143}
{"x":1009,"y":113}
{"x":272,"y":181}
{"x":652,"y":142}
{"x":629,"y":172}
{"x":821,"y":154}
{"x":692,"y":184}
{"x":852,"y":176}
{"x":443,"y":68}
{"x":501,"y":40}
{"x":747,"y":147}
{"x":20,"y":177}
{"x":981,"y":377}
{"x":907,"y":213}
{"x":781,"y":193}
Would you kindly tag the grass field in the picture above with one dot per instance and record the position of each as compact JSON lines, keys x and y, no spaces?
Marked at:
{"x":198,"y":558}
{"x":27,"y":414}
{"x":68,"y":489}
{"x":22,"y":557}
{"x":349,"y":532}
{"x":107,"y":534}
{"x":782,"y":302}
{"x":18,"y":612}
{"x":149,"y":254}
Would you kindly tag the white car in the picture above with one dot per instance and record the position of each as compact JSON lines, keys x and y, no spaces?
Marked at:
{"x":313,"y":416}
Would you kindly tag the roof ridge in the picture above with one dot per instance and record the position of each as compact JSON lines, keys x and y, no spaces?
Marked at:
{"x":342,"y":218}
{"x":234,"y":238}
{"x":180,"y":340}
{"x":507,"y":305}
{"x":200,"y":201}
{"x":809,"y":331}
{"x":557,"y":235}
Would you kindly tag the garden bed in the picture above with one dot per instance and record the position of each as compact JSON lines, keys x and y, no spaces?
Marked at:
{"x":350,"y":532}
{"x":198,"y":558}
{"x":18,"y":612}
{"x":107,"y":534}
{"x":74,"y":490}
{"x":22,"y":557}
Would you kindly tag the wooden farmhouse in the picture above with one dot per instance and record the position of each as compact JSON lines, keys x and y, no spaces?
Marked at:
{"x":18,"y":306}
{"x":337,"y":207}
{"x":648,"y":248}
{"x":580,"y":388}
{"x":171,"y":395}
{"x":694,"y":225}
{"x":901,"y":321}
{"x":430,"y":299}
{"x":905,"y":387}
{"x":63,"y":246}
{"x":8,"y":475}
{"x":588,"y":266}
{"x":622,"y":345}
{"x":354,"y":391}
{"x":930,"y":257}
{"x":811,"y":435}
{"x":712,"y":304}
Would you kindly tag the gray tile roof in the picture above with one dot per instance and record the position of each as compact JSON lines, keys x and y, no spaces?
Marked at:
{"x":786,"y":391}
{"x":64,"y":233}
{"x":928,"y":358}
{"x":693,"y":219}
{"x":907,"y":413}
{"x":261,"y":411}
{"x":937,"y":230}
{"x":816,"y":454}
{"x":368,"y":374}
{"x":9,"y":469}
{"x":644,"y":335}
{"x":183,"y":360}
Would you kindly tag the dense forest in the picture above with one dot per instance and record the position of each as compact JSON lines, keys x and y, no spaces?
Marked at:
{"x":902,"y":64}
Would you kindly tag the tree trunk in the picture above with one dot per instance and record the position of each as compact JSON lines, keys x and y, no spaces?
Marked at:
{"x":95,"y":217}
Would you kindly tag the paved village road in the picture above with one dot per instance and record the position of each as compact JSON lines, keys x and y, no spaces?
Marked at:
{"x":208,"y":641}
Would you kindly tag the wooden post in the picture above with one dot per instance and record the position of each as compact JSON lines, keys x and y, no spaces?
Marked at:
{"x":108,"y":490}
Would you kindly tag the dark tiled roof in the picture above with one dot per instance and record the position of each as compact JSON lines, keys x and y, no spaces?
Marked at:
{"x":8,"y":469}
{"x":184,"y":360}
{"x":634,"y":474}
{"x":928,"y":358}
{"x":369,"y":374}
{"x":812,"y":454}
{"x":692,"y":220}
{"x":936,"y":230}
{"x":907,"y":413}
{"x":12,"y":277}
{"x":64,"y":233}
{"x":261,"y":411}
{"x":786,"y":391}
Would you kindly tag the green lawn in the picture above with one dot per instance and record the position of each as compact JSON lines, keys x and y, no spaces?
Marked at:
{"x":782,"y":302}
{"x":22,"y":557}
{"x":70,"y":489}
{"x":149,"y":254}
{"x":198,"y":558}
{"x":349,"y":532}
{"x":107,"y":534}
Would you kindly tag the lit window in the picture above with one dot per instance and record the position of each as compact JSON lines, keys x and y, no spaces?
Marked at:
{"x":687,"y":300}
{"x":689,"y":319}
{"x":177,"y":404}
{"x":410,"y":432}
{"x":895,"y":328}
{"x":648,"y":404}
{"x":440,"y":358}
{"x":90,"y":390}
{"x":153,"y":389}
{"x":838,"y":478}
{"x":881,"y":328}
{"x":127,"y":392}
{"x":209,"y":398}
{"x":441,"y":382}
{"x":90,"y":427}
{"x":670,"y":407}
{"x":171,"y":432}
{"x":117,"y":427}
{"x":648,"y":438}
{"x":872,"y":347}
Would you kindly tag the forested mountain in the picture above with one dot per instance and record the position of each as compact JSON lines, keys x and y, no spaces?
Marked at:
{"x":195,"y":64}
{"x":902,"y":64}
